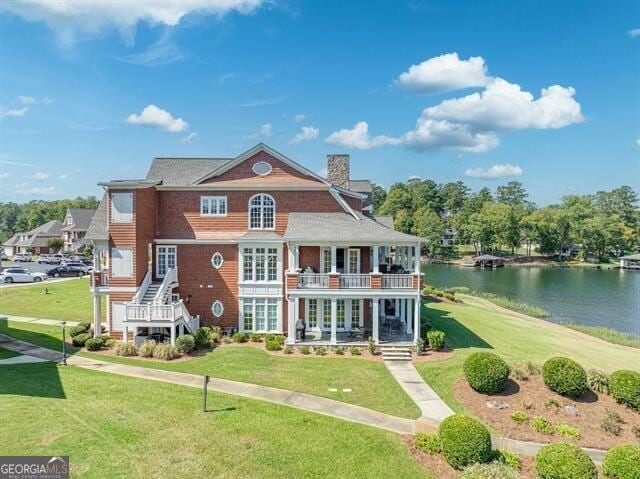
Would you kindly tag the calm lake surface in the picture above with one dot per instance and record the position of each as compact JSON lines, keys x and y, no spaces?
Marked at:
{"x":609,"y":298}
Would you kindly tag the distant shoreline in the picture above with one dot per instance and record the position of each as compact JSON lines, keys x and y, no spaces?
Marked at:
{"x":532,"y":264}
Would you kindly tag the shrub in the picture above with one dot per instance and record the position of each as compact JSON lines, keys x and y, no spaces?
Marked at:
{"x":185,"y":343}
{"x":339,"y":351}
{"x":93,"y":344}
{"x":450,"y":296}
{"x":77,"y":330}
{"x":255,"y":338}
{"x":465,"y":441}
{"x":532,"y":369}
{"x":419,"y":346}
{"x":489,"y":471}
{"x":622,"y":462}
{"x":598,"y":381}
{"x":564,"y":461}
{"x":486,"y":372}
{"x":355,"y":351}
{"x":305,"y":350}
{"x":552,"y":402}
{"x":239,"y":337}
{"x":429,"y":443}
{"x":519,"y":417}
{"x":227,"y":340}
{"x":165,"y":351}
{"x":288,"y":350}
{"x":273,"y":345}
{"x":436,"y":339}
{"x":611,"y":423}
{"x":519,"y":374}
{"x":85,"y":324}
{"x":459,"y":289}
{"x":79,"y":339}
{"x":147,"y":348}
{"x":320,"y":351}
{"x":125,"y":349}
{"x":566,"y":430}
{"x":372,"y":345}
{"x":624,"y":386}
{"x":543,"y":426}
{"x":507,"y":458}
{"x":201,"y":338}
{"x":215,"y":336}
{"x":107,"y":341}
{"x":564,"y":376}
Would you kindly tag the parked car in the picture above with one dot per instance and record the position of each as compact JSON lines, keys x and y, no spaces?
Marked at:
{"x":44,"y":259}
{"x":22,"y":257}
{"x":55,"y":258}
{"x":88,"y":263}
{"x":64,"y":271}
{"x":21,"y":275}
{"x":77,"y":266}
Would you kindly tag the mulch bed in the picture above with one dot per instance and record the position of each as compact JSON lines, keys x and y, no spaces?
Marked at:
{"x":429,"y":355}
{"x":592,"y":407}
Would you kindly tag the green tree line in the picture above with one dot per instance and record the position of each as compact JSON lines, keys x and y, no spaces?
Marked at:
{"x":15,"y":217}
{"x":602,"y":224}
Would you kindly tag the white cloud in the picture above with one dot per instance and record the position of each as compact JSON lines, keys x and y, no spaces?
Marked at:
{"x":634,"y":33}
{"x":27,"y":100}
{"x":263,"y":101}
{"x":155,"y":117}
{"x":444,"y":73}
{"x":306,"y":134}
{"x":358,"y":138}
{"x":299,"y":117}
{"x":63,"y":176}
{"x":495,"y":171}
{"x":41,"y":176}
{"x":431,"y":134}
{"x":162,"y":52}
{"x":264,"y":132}
{"x":189,"y":138}
{"x":24,"y":189}
{"x":70,"y":17}
{"x":13,"y":112}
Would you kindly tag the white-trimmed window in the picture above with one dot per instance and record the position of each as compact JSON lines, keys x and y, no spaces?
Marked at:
{"x":166,"y":259}
{"x":325,"y":260}
{"x":354,"y":261}
{"x":312,"y":313}
{"x":262,"y":212}
{"x":260,"y":264}
{"x":262,"y":168}
{"x":121,"y":262}
{"x":217,"y":308}
{"x":356,"y":313}
{"x":217,"y":260}
{"x":326,"y":314}
{"x":213,"y":206}
{"x":340,"y":314}
{"x":260,"y":314}
{"x":121,"y":207}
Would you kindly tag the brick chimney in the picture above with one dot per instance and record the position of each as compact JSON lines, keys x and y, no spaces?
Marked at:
{"x":338,"y":170}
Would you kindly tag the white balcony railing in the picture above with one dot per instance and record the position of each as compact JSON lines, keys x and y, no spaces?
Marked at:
{"x":157,"y":312}
{"x":313,"y":280}
{"x":355,"y":281}
{"x":170,"y":278}
{"x":397,"y":281}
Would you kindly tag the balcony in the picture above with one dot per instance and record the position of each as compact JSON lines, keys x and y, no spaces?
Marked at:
{"x":351,"y":281}
{"x":313,"y":280}
{"x":100,"y":281}
{"x":397,"y":281}
{"x":355,"y":281}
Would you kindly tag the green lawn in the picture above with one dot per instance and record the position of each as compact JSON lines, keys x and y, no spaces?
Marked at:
{"x":112,"y":426}
{"x":67,"y":300}
{"x":371,"y":384}
{"x":473,"y":326}
{"x":7,"y":353}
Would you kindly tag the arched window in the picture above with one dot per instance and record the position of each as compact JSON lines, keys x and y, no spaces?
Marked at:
{"x":217,"y":309}
{"x":262,"y":211}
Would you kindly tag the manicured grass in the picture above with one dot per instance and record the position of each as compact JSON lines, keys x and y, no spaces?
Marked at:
{"x":472,"y":326}
{"x":113,"y":427}
{"x":67,"y":300}
{"x":607,"y":334}
{"x":7,"y":353}
{"x":523,"y":308}
{"x":371,"y":384}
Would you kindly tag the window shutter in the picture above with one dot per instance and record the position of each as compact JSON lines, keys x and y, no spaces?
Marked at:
{"x":121,"y":262}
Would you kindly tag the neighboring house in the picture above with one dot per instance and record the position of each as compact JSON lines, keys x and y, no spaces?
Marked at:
{"x":630,"y":262}
{"x":76,"y":223}
{"x":252,"y":243}
{"x":35,"y":240}
{"x":449,"y":236}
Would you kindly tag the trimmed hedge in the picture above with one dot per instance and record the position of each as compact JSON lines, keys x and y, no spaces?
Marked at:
{"x":465,"y":441}
{"x":85,"y":324}
{"x":240,"y":337}
{"x":564,"y":461}
{"x":93,"y":344}
{"x":436,"y":339}
{"x":185,"y":343}
{"x":77,"y":330}
{"x":624,"y":386}
{"x":622,"y":462}
{"x":273,"y":345}
{"x":486,"y":372}
{"x":489,"y":471}
{"x":80,"y":339}
{"x":564,"y":376}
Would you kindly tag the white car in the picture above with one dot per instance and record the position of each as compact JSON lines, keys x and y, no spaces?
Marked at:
{"x":22,"y":257}
{"x":21,"y":275}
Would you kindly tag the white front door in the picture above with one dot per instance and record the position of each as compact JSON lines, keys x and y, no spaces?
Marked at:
{"x":312,"y":317}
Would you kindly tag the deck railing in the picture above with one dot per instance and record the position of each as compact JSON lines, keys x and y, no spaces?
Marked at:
{"x":313,"y":280}
{"x":158,"y":312}
{"x":395,"y":281}
{"x":355,"y":281}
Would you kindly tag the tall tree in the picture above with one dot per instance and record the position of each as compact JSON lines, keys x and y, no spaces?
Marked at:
{"x":428,"y":225}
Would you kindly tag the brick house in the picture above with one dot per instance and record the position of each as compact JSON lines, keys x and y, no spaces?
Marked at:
{"x":255,"y":243}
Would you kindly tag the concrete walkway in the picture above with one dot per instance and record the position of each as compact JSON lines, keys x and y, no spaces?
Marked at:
{"x":22,"y":359}
{"x":46,"y":322}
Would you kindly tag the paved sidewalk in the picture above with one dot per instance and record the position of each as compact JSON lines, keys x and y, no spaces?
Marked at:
{"x":432,"y":407}
{"x":47,"y":322}
{"x":22,"y":359}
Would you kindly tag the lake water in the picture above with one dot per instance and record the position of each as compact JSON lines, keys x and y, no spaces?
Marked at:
{"x":609,"y":298}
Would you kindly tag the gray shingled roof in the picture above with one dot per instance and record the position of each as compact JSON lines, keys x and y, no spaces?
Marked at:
{"x":386,"y":220}
{"x":361,"y":186}
{"x":40,"y":235}
{"x":81,"y":219}
{"x":98,"y":227}
{"x":11,"y":241}
{"x":260,"y":236}
{"x":182,"y":171}
{"x":341,"y":227}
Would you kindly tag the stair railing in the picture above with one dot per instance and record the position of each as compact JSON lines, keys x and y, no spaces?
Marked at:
{"x":142,"y":289}
{"x":171,"y":277}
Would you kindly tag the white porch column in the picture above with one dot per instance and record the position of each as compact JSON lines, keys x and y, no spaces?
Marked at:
{"x":348,"y":310}
{"x":402,"y":309}
{"x":376,"y":259}
{"x":416,"y":319}
{"x":409,"y":315}
{"x":396,"y":309}
{"x":416,"y":259}
{"x":97,"y":326}
{"x":375,"y":318}
{"x":291,"y":323}
{"x":334,"y":259}
{"x":173,"y":334}
{"x":291,"y":257}
{"x":181,"y":329}
{"x":334,"y":320}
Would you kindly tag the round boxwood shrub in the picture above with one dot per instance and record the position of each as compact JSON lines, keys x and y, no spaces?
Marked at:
{"x":622,"y":462}
{"x":93,"y":344}
{"x":80,"y":339}
{"x":77,"y":330}
{"x":273,"y":345}
{"x":486,"y":372}
{"x":624,"y":386}
{"x":564,"y":461}
{"x":85,"y":324}
{"x":489,"y":471}
{"x":564,"y":376}
{"x":240,"y":337}
{"x":465,"y":441}
{"x":185,"y":343}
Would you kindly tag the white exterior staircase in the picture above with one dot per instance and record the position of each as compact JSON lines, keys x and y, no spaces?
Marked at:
{"x":150,"y":293}
{"x":396,"y":353}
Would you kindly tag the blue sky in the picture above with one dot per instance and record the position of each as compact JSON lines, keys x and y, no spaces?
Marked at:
{"x":90,"y":94}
